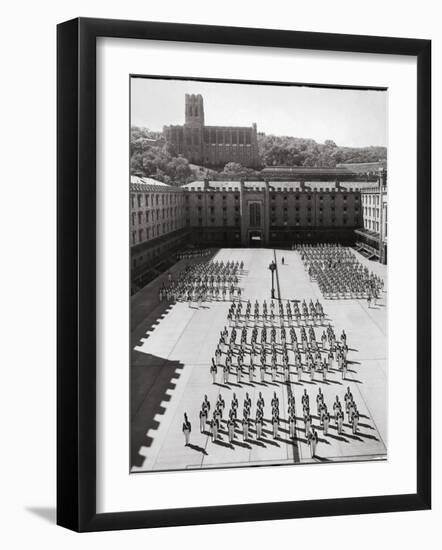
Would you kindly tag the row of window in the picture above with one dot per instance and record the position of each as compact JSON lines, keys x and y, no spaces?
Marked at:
{"x":371,"y":199}
{"x":165,"y":199}
{"x":144,"y":234}
{"x":371,"y":211}
{"x":154,"y":215}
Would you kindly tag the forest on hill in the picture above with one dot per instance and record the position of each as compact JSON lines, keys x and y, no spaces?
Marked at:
{"x":150,"y":156}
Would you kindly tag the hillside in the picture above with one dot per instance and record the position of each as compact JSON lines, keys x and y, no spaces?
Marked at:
{"x":152,"y":157}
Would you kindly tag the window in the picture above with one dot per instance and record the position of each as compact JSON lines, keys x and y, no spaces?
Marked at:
{"x":139,"y":198}
{"x":140,"y":235}
{"x":133,"y":218}
{"x":255,"y":214}
{"x":140,"y":217}
{"x":147,"y":216}
{"x":132,"y":201}
{"x":146,"y":199}
{"x":133,"y":237}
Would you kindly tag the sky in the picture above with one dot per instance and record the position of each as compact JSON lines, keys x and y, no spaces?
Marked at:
{"x":352,"y":118}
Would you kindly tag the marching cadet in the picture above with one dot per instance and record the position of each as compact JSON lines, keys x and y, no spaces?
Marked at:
{"x":260,"y":401}
{"x":248,"y":400}
{"x":330,"y":360}
{"x":251,"y":371}
{"x":206,"y":404}
{"x":322,"y":410}
{"x":259,"y":425}
{"x":337,"y":406}
{"x":355,"y":421}
{"x":262,"y":370}
{"x":238,"y":372}
{"x":231,"y":429}
{"x":351,"y":410}
{"x":324,"y":371}
{"x":307,"y":423}
{"x":218,"y":355}
{"x":234,"y":401}
{"x":323,"y":339}
{"x":325,"y":421}
{"x":215,"y":427}
{"x":319,"y":400}
{"x":305,"y":400}
{"x":344,"y":369}
{"x":275,"y":425}
{"x":203,"y":419}
{"x":292,"y":425}
{"x":339,"y":417}
{"x":187,"y":428}
{"x":220,"y":405}
{"x":226,"y":371}
{"x":348,"y":398}
{"x":274,"y":371}
{"x":213,"y":371}
{"x":275,"y":401}
{"x":313,"y":441}
{"x":245,"y":428}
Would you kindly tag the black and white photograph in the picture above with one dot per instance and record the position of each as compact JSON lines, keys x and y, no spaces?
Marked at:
{"x":258,"y":274}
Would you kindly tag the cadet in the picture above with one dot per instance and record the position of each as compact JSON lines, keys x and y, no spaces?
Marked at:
{"x":275,"y":424}
{"x":307,"y":423}
{"x":354,"y":421}
{"x":339,"y":417}
{"x":203,"y":419}
{"x":259,"y":425}
{"x":319,"y":400}
{"x":213,"y":370}
{"x":226,"y":372}
{"x":325,"y":421}
{"x":313,"y":441}
{"x":187,"y":428}
{"x":231,"y":429}
{"x":245,"y":428}
{"x":305,"y":398}
{"x":292,"y":425}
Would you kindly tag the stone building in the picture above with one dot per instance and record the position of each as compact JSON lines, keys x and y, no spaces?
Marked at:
{"x":372,"y":237}
{"x":262,"y":213}
{"x":203,"y":214}
{"x":157,"y":225}
{"x":212,"y":146}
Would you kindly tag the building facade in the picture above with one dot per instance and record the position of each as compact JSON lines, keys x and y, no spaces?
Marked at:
{"x":164,"y":219}
{"x":157,"y":225}
{"x":213,"y":146}
{"x":262,"y":213}
{"x":372,"y":237}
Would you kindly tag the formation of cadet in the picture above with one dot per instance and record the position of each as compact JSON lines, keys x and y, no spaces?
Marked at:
{"x":194,"y":253}
{"x":266,"y":347}
{"x":339,"y":274}
{"x":204,"y":281}
{"x":286,"y":314}
{"x":255,"y":422}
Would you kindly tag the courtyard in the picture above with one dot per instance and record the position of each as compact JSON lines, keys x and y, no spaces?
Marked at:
{"x":172,"y":346}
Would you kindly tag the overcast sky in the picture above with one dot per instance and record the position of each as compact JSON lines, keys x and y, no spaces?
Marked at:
{"x":352,"y":118}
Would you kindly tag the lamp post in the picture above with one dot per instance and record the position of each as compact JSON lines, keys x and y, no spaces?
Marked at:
{"x":272,"y":268}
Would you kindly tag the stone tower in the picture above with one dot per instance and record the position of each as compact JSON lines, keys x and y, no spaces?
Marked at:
{"x":194,"y":110}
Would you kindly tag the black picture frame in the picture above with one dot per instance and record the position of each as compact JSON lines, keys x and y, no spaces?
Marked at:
{"x":76,"y":274}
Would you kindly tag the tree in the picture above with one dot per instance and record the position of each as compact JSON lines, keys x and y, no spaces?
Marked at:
{"x":233,"y":168}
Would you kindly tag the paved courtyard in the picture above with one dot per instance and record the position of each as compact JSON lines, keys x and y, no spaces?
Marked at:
{"x":172,"y":347}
